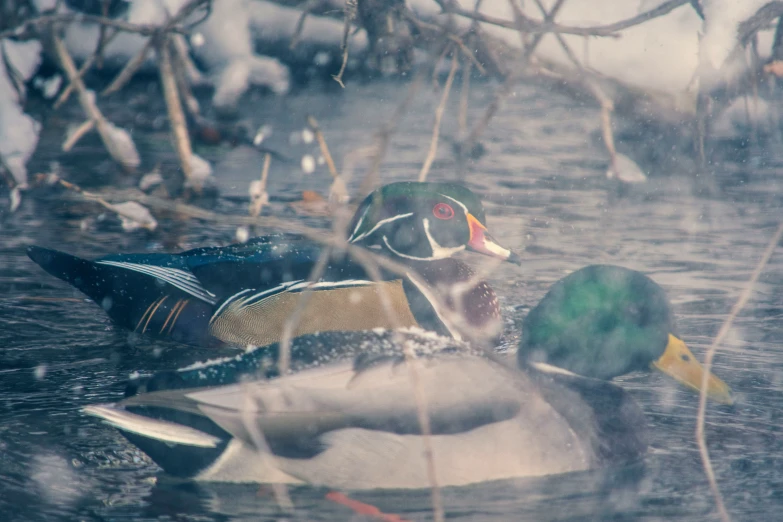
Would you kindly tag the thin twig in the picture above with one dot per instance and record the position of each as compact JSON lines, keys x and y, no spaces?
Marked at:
{"x":462,"y":115}
{"x":383,"y":137}
{"x":128,"y":27}
{"x":425,"y":168}
{"x":280,"y":491}
{"x":78,"y":134}
{"x":171,"y":25}
{"x":179,"y":126}
{"x":82,"y":70}
{"x":178,"y":65}
{"x":309,"y":6}
{"x":349,"y":13}
{"x":319,"y":136}
{"x":549,"y":17}
{"x":480,"y":126}
{"x":102,"y":35}
{"x":438,"y":30}
{"x":127,"y":72}
{"x":88,"y":105}
{"x":423,"y":411}
{"x":284,"y":357}
{"x":724,"y":330}
{"x":371,"y":266}
{"x":608,"y":30}
{"x":262,"y":198}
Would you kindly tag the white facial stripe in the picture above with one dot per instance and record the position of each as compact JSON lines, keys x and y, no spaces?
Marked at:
{"x":380,"y":224}
{"x":176,"y":277}
{"x":439,"y":252}
{"x":435,"y":303}
{"x":406,"y":256}
{"x":359,"y":224}
{"x":458,"y":202}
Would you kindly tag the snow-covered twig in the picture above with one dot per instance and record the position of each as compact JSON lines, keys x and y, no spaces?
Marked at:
{"x":177,"y":122}
{"x":132,"y":213}
{"x":116,"y":141}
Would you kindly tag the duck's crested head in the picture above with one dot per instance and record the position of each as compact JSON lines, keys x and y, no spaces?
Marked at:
{"x":425,"y":222}
{"x":603,"y":321}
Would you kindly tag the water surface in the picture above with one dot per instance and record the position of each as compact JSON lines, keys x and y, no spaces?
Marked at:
{"x":546,"y":194}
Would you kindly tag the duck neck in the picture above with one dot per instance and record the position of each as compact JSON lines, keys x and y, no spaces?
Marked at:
{"x":471,"y":305}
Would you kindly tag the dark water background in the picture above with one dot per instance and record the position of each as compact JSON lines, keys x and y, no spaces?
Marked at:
{"x":546,"y":195}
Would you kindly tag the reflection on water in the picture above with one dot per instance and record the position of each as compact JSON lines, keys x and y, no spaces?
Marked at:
{"x":543,"y":181}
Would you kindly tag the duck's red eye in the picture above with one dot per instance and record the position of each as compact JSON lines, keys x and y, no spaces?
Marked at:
{"x":443,"y":211}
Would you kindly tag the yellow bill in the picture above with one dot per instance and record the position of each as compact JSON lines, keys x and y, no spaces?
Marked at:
{"x":679,"y":363}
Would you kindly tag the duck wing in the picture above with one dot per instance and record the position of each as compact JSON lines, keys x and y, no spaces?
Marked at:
{"x":462,"y":392}
{"x":263,"y":263}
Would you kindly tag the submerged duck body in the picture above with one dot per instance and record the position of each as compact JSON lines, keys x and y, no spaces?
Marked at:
{"x":242,"y":294}
{"x":348,"y":417}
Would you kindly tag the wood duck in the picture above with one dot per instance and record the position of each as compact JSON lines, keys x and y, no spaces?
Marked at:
{"x":348,"y":416}
{"x":242,"y":294}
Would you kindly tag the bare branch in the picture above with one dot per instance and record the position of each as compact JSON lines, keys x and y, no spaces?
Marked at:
{"x":349,"y":15}
{"x":534,"y":27}
{"x":260,"y":196}
{"x":384,"y":135}
{"x":82,"y":70}
{"x":319,"y":136}
{"x":78,"y":134}
{"x":127,"y":72}
{"x":462,"y":116}
{"x":724,"y":330}
{"x":425,"y":168}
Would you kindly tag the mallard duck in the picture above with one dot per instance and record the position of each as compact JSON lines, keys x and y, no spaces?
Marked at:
{"x":242,"y":294}
{"x":348,"y":416}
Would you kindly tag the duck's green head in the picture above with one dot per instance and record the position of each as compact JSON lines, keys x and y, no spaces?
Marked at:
{"x":425,"y":222}
{"x":603,"y":321}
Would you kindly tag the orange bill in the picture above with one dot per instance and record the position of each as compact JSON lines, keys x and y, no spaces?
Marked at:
{"x":481,"y":242}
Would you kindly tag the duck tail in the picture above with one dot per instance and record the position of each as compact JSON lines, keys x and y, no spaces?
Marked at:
{"x":139,"y":292}
{"x":71,"y":269}
{"x":179,"y":449}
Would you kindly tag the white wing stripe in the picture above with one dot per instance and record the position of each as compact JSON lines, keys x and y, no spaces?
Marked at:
{"x":181,"y":279}
{"x":241,"y":300}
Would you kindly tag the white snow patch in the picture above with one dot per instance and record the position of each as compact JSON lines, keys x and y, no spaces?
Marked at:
{"x":126,"y":149}
{"x":626,"y":170}
{"x":308,"y":164}
{"x":18,"y":131}
{"x":134,"y":215}
{"x":200,"y":171}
